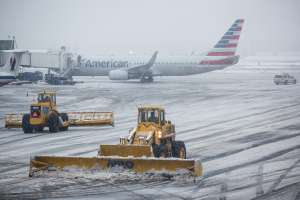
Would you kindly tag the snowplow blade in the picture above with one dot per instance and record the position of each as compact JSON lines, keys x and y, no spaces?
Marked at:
{"x":139,"y":165}
{"x":91,"y":118}
{"x":124,"y":150}
{"x":75,"y":119}
{"x":13,"y":120}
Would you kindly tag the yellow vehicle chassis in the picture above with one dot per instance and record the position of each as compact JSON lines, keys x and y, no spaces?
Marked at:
{"x":124,"y":150}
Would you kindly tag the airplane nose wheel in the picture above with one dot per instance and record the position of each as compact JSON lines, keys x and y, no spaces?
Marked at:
{"x":147,"y":79}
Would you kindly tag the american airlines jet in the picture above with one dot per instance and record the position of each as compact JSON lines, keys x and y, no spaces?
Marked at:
{"x":222,"y":55}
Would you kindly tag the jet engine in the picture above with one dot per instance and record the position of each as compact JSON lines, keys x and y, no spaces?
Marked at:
{"x":118,"y":75}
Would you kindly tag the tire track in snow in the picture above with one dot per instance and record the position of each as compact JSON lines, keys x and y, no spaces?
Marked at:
{"x":270,"y":156}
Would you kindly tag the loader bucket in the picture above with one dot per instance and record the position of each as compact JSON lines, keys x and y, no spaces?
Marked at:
{"x":124,"y":150}
{"x":139,"y":165}
{"x":91,"y":118}
{"x":13,"y":120}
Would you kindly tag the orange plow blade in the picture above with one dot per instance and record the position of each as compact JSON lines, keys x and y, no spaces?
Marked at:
{"x":139,"y":165}
{"x":75,"y":119}
{"x":91,"y":118}
{"x":13,"y":120}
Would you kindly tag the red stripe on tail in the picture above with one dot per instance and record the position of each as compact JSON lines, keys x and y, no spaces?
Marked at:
{"x":228,"y":53}
{"x":230,"y":45}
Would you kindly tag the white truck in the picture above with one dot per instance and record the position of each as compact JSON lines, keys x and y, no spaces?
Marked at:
{"x":284,"y":79}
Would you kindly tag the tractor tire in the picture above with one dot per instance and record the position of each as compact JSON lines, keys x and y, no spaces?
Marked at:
{"x":178,"y":149}
{"x":155,"y":150}
{"x":162,"y":152}
{"x":65,"y":118}
{"x":27,"y":128}
{"x":53,"y":122}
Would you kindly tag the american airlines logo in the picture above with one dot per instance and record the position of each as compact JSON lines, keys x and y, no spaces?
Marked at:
{"x":103,"y":64}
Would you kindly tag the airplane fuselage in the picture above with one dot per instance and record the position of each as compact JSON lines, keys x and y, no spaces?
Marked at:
{"x":165,"y":66}
{"x":99,"y":67}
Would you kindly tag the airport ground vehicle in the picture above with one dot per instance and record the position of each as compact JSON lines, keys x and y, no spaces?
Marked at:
{"x":284,"y":79}
{"x":145,"y":149}
{"x":30,"y":76}
{"x":54,"y":79}
{"x":153,"y":136}
{"x":44,"y":113}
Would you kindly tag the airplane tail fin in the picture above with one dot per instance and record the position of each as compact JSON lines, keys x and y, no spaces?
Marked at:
{"x":224,"y":52}
{"x":227,"y":45}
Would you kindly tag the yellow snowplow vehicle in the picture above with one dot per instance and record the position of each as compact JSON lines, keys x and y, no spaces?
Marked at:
{"x":154,"y":136}
{"x":150,"y":147}
{"x":44,"y":113}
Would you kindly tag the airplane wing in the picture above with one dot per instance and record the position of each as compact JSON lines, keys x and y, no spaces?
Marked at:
{"x":39,"y":67}
{"x":19,"y":82}
{"x":142,"y":69}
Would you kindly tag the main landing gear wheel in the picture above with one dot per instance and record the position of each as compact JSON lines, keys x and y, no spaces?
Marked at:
{"x":147,"y":78}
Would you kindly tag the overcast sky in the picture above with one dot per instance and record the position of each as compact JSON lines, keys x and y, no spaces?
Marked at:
{"x":170,"y":26}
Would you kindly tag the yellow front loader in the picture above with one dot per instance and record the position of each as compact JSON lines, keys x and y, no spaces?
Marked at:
{"x":150,"y":147}
{"x":44,"y":113}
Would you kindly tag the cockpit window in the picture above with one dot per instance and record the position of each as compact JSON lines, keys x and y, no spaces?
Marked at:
{"x":143,"y":117}
{"x":153,"y":116}
{"x":46,"y":98}
{"x":149,"y":116}
{"x":43,"y":98}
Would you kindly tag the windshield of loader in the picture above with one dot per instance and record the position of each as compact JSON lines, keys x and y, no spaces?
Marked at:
{"x":149,"y":116}
{"x":44,"y":97}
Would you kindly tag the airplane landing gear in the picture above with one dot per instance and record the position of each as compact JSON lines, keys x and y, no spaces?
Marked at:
{"x":147,"y":79}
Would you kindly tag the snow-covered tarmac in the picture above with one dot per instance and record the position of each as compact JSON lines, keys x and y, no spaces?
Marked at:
{"x":244,"y":128}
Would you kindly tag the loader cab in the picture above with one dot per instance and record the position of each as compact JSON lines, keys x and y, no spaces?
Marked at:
{"x":151,"y":115}
{"x":47,"y":97}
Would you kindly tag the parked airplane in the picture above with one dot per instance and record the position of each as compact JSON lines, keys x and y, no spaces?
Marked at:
{"x":135,"y":68}
{"x":222,"y":55}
